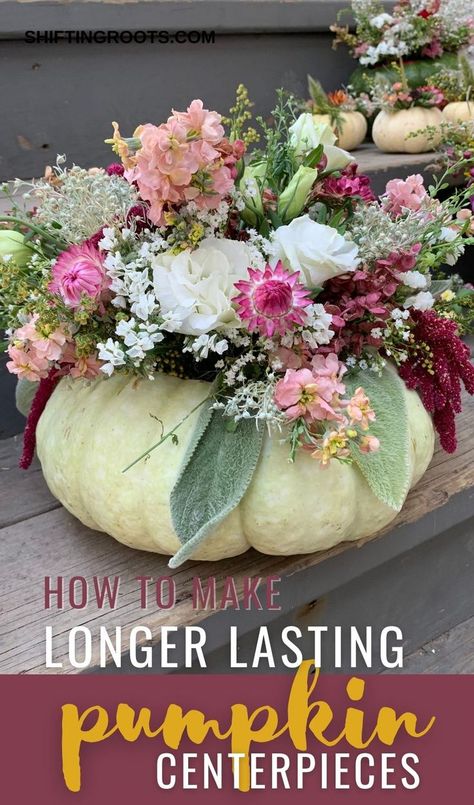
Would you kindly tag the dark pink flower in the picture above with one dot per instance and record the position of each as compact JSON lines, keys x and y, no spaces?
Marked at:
{"x":272,"y":301}
{"x":78,"y":272}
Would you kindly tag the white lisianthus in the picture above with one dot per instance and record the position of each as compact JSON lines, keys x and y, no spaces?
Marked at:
{"x":198,"y":286}
{"x":306,"y":134}
{"x":422,"y":301}
{"x":319,"y":252}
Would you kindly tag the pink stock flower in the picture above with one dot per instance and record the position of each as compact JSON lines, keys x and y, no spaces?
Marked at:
{"x":272,"y":301}
{"x":49,"y":347}
{"x":404,"y":194}
{"x":369,"y":444}
{"x":312,"y":393}
{"x":359,"y":410}
{"x":86,"y":367}
{"x":27,"y":364}
{"x":184,"y":159}
{"x":78,"y":272}
{"x":201,"y":122}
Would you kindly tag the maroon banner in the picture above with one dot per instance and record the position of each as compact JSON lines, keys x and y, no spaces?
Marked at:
{"x":309,"y":738}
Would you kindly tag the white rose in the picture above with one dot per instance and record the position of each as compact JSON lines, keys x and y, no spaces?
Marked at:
{"x":319,"y":252}
{"x":306,"y":134}
{"x":197,"y":286}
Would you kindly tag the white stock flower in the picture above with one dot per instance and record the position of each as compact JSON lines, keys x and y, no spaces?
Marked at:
{"x":422,"y":301}
{"x":113,"y":354}
{"x":318,"y":251}
{"x":306,"y":134}
{"x":198,"y":286}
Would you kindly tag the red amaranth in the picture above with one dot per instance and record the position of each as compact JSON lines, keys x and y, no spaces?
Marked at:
{"x":450,"y":362}
{"x":45,"y":389}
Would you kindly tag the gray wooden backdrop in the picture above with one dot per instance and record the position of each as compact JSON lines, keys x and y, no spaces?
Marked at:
{"x":62,"y":97}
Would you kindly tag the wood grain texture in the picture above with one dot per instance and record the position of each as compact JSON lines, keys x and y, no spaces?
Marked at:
{"x":39,"y":538}
{"x":451,"y":653}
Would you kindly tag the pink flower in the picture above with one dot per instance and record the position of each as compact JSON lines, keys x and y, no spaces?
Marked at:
{"x":369,"y":444}
{"x":401,"y":195}
{"x":348,"y":184}
{"x":329,"y":366}
{"x":201,"y":122}
{"x":301,"y":393}
{"x":185,"y":159}
{"x":87,"y":367}
{"x":49,"y":347}
{"x":359,"y":410}
{"x":78,"y":272}
{"x":272,"y":301}
{"x":433,"y":50}
{"x":26,"y":364}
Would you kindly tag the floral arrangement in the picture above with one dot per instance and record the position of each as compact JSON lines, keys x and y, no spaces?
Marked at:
{"x":273,"y":272}
{"x":337,"y":101}
{"x":400,"y":96}
{"x":414,"y":28}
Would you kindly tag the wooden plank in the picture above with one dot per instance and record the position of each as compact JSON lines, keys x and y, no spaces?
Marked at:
{"x":451,"y":653}
{"x":371,"y":160}
{"x":54,"y":543}
{"x":22,"y":494}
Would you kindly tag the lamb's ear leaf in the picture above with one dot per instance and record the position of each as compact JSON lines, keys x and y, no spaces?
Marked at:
{"x":24,"y":395}
{"x":217,"y":469}
{"x":388,"y":470}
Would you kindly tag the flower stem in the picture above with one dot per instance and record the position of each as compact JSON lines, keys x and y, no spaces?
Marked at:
{"x":167,"y":435}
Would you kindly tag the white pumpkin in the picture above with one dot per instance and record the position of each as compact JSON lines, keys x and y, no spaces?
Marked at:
{"x":351,"y":131}
{"x":459,"y":111}
{"x":90,"y":431}
{"x":391,"y":129}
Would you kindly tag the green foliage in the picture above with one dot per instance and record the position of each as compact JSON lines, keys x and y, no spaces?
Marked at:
{"x":388,"y":470}
{"x":218,"y":467}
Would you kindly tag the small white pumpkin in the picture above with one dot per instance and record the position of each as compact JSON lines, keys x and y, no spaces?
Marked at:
{"x":351,"y":131}
{"x":89,"y":432}
{"x":391,"y":129}
{"x":459,"y":111}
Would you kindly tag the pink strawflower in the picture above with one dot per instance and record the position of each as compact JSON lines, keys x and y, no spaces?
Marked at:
{"x":78,"y":272}
{"x":272,"y":301}
{"x":404,"y":194}
{"x":27,"y":364}
{"x":359,"y":409}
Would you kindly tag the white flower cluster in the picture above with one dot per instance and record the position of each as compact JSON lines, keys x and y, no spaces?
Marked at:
{"x":315,"y":331}
{"x":254,"y":400}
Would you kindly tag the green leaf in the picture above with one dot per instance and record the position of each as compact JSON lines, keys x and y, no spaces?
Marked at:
{"x":314,"y":157}
{"x":217,"y":469}
{"x":24,"y":395}
{"x":387,"y":471}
